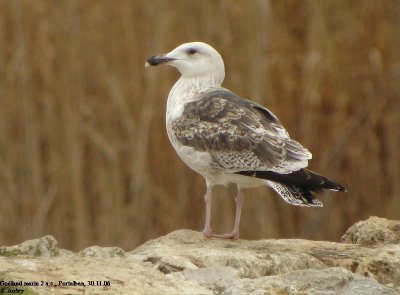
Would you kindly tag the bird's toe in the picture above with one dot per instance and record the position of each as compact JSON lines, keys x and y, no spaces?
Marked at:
{"x":232,"y":235}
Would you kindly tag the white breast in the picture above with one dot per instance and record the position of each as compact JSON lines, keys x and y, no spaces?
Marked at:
{"x":178,"y":96}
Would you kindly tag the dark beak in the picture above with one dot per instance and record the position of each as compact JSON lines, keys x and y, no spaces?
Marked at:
{"x":156,"y":60}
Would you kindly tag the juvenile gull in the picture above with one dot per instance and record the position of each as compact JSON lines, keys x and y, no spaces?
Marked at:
{"x":228,"y":139}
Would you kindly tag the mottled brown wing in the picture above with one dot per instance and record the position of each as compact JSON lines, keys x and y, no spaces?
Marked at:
{"x":240,"y":135}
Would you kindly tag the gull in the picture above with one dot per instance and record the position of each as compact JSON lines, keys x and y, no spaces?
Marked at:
{"x":228,"y":139}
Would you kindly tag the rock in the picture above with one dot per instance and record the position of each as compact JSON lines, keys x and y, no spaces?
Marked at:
{"x":184,"y":262}
{"x":373,"y":231}
{"x":73,"y":275}
{"x":106,"y":252}
{"x":215,"y":278}
{"x":251,"y":258}
{"x":330,"y":281}
{"x":254,"y":259}
{"x":43,"y":247}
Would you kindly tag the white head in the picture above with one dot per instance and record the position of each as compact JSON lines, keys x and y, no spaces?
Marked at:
{"x":193,"y":60}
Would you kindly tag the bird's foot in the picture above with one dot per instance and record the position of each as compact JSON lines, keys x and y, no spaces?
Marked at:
{"x":210,"y":234}
{"x":233,"y":235}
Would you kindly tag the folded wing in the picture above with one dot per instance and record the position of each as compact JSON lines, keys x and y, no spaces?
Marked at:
{"x":240,"y":135}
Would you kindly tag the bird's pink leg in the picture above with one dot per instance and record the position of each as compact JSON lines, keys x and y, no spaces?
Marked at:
{"x":235,"y":232}
{"x":239,"y":204}
{"x":207,"y":231}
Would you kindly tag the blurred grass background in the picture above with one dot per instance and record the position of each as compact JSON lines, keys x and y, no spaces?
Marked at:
{"x":84,"y":154}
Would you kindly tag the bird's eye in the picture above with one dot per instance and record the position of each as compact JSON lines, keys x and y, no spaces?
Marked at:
{"x":191,"y":51}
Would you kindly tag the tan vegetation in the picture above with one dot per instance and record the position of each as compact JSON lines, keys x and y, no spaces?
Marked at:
{"x":84,"y":154}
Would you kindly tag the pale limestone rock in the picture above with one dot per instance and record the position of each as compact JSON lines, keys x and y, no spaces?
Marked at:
{"x":125,"y":276}
{"x":103,"y":252}
{"x":373,"y":231}
{"x":184,"y":262}
{"x":254,"y":259}
{"x":251,"y":258}
{"x":329,"y":281}
{"x":43,"y":247}
{"x":215,"y":278}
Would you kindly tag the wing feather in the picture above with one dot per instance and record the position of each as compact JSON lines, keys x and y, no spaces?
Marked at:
{"x":239,"y":134}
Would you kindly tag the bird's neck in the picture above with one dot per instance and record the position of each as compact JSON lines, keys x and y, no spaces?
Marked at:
{"x":187,"y":89}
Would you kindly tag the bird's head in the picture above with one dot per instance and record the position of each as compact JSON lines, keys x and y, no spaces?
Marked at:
{"x":193,"y":60}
